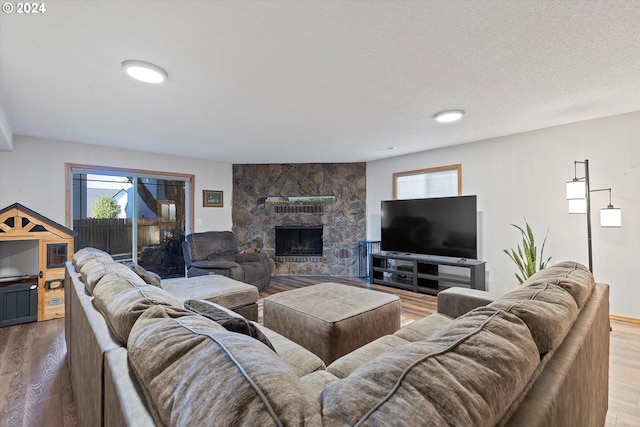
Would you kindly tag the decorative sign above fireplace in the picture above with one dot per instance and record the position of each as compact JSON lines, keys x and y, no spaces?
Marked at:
{"x":298,"y":204}
{"x":299,"y":200}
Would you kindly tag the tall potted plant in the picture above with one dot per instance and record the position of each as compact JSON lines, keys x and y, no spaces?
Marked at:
{"x":526,"y":257}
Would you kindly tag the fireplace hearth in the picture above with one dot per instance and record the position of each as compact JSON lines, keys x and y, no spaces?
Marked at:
{"x":299,"y":241}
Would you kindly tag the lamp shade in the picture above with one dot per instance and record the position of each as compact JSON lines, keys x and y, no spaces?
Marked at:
{"x":578,"y":206}
{"x":611,"y":217}
{"x":576,"y":190}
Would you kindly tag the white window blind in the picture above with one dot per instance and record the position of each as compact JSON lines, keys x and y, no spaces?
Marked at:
{"x":436,"y":182}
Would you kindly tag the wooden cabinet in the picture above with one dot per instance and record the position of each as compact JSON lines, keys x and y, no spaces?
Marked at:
{"x":425,"y":273}
{"x":54,"y":248}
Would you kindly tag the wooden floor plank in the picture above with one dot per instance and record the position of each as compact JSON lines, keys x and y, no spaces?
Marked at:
{"x":66,"y":392}
{"x":35,"y":388}
{"x":624,"y":375}
{"x":13,"y":389}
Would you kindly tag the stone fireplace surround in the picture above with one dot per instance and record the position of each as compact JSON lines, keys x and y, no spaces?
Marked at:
{"x":343,"y":219}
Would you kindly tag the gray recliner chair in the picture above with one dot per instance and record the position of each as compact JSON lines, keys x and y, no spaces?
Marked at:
{"x":216,"y":252}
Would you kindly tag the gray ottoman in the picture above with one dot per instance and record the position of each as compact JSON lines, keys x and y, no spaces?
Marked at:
{"x":229,"y":293}
{"x":331,"y":319}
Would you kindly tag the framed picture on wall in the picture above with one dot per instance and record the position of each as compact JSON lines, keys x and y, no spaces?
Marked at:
{"x":212,"y":198}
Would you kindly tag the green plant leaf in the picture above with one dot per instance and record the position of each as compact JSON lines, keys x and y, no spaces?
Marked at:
{"x":526,"y":256}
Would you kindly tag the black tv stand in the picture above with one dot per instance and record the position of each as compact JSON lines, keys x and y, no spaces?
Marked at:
{"x":427,"y":274}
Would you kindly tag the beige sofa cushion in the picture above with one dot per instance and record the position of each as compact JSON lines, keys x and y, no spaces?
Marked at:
{"x":231,"y":321}
{"x":573,"y":277}
{"x":172,"y":354}
{"x":122,"y":300}
{"x":465,"y":375}
{"x":415,"y":331}
{"x":315,"y":382}
{"x":148,"y":276}
{"x":93,"y":271}
{"x":422,"y":329}
{"x":547,"y":309}
{"x":85,"y":255}
{"x":299,"y":359}
{"x":344,"y":366}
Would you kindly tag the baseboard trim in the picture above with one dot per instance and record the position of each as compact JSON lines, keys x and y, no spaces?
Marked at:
{"x":624,"y":319}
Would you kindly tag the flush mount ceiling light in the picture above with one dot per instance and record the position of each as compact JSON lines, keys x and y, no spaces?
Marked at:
{"x":144,"y":71}
{"x":448,"y":116}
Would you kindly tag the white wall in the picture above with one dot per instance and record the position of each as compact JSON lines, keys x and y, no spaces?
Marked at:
{"x":525,"y":175}
{"x":513,"y":176}
{"x":33,"y":174}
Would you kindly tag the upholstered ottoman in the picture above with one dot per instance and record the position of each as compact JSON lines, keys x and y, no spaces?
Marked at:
{"x":331,"y":319}
{"x":229,"y":293}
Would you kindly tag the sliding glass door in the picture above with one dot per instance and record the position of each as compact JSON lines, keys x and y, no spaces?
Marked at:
{"x":160,"y":225}
{"x":135,"y":216}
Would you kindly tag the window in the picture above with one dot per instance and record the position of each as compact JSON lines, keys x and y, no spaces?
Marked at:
{"x":443,"y":181}
{"x":56,"y":255}
{"x":141,"y":216}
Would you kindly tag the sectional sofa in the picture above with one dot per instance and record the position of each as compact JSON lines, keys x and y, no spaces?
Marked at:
{"x":537,"y":356}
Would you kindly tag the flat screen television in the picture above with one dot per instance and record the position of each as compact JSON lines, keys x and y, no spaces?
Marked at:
{"x":443,"y":226}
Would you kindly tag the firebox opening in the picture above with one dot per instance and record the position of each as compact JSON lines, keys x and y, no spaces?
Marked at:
{"x":299,"y":241}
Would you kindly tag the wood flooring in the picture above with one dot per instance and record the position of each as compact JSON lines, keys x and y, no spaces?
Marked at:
{"x":35,"y":389}
{"x":34,"y":379}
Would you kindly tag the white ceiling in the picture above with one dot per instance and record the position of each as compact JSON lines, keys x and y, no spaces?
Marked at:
{"x":314,"y":81}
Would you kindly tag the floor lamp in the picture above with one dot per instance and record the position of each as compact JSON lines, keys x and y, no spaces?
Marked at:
{"x":578,"y":195}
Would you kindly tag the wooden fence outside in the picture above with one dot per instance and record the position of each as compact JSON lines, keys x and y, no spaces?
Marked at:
{"x":114,"y":235}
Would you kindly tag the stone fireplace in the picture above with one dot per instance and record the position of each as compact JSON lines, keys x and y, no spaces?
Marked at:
{"x":328,"y":201}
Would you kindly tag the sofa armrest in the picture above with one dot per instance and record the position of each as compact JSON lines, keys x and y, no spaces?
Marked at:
{"x":455,"y":302}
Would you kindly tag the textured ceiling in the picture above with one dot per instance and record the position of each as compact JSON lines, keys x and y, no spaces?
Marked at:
{"x":314,"y":81}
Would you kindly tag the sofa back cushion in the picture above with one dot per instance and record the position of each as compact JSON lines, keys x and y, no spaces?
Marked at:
{"x":228,"y":319}
{"x":148,"y":276}
{"x":93,"y":271}
{"x":547,"y":310}
{"x":468,"y":374}
{"x":85,"y":255}
{"x":194,"y":372}
{"x":123,"y":300}
{"x":571,"y":276}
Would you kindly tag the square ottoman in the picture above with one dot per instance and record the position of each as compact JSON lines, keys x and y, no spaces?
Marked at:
{"x":229,"y":293}
{"x":331,"y":319}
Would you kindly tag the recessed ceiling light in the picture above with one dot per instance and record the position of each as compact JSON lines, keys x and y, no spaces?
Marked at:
{"x":449,"y":116}
{"x":144,"y":71}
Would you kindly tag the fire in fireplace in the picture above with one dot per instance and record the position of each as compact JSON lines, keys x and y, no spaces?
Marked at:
{"x":299,"y":241}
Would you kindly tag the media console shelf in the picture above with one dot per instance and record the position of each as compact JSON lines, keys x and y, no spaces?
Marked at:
{"x":428,"y":274}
